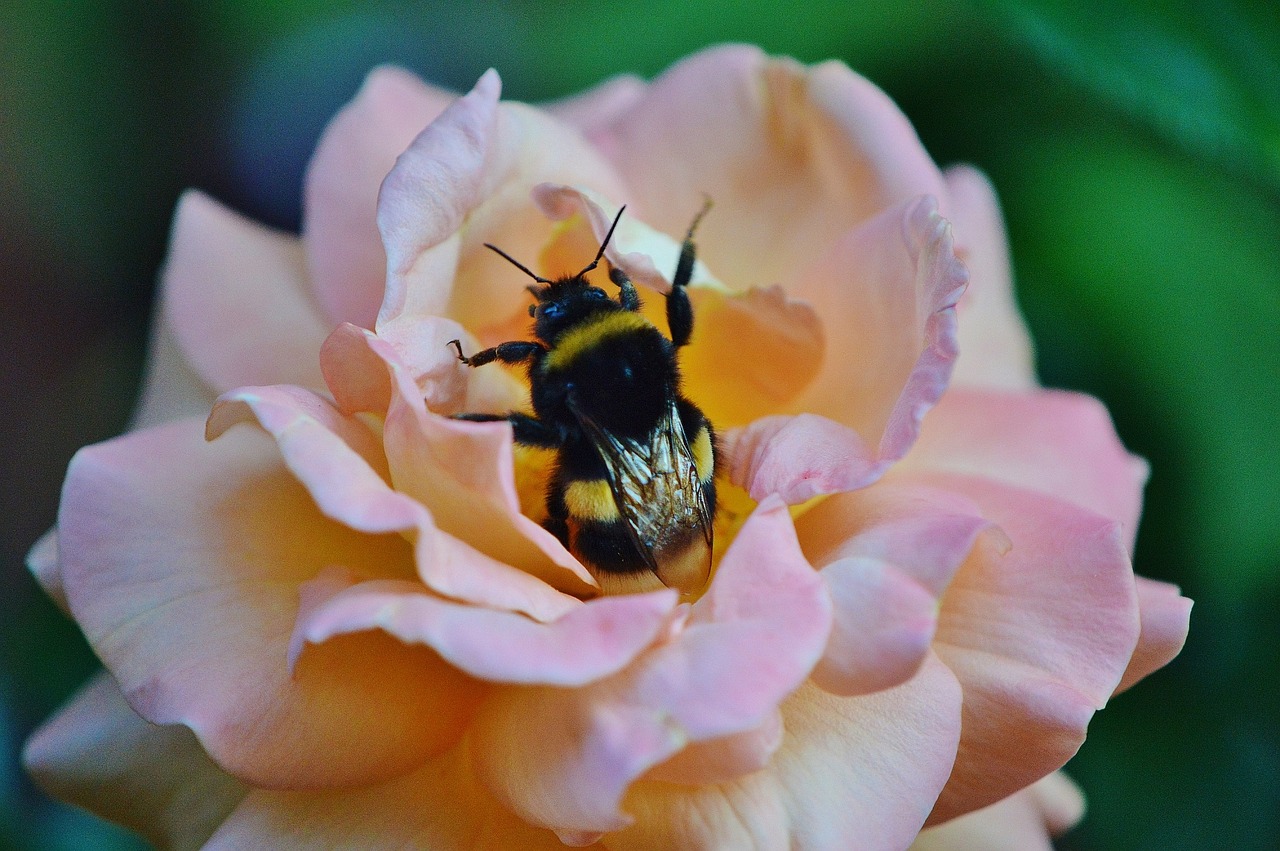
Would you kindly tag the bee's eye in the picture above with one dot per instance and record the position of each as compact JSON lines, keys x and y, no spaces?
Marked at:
{"x":551,"y":310}
{"x":596,"y":293}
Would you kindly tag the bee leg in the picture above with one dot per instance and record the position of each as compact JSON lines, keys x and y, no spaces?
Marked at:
{"x":679,"y":311}
{"x":516,"y":351}
{"x":628,"y":298}
{"x":529,"y":431}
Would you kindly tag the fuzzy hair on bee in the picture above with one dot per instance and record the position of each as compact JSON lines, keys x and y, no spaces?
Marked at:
{"x":632,"y":493}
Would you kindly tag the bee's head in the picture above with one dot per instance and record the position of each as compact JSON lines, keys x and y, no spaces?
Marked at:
{"x":564,"y":302}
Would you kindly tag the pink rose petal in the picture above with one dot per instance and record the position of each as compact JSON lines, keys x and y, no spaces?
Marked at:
{"x":1025,"y":821}
{"x":182,"y":562}
{"x":42,"y":561}
{"x":851,"y":773}
{"x":1166,"y":617}
{"x":589,"y":641}
{"x":235,"y":296}
{"x":344,"y":249}
{"x":98,"y":754}
{"x":775,"y":145}
{"x":600,"y":105}
{"x":476,"y":163}
{"x":1038,"y":633}
{"x":439,"y":806}
{"x":341,"y":463}
{"x":564,"y":758}
{"x":995,"y":347}
{"x":171,"y":389}
{"x":1052,"y":441}
{"x":887,"y":554}
{"x":886,"y":294}
{"x":464,"y":473}
{"x":798,"y":458}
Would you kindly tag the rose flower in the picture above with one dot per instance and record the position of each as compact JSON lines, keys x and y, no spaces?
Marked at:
{"x":328,"y":610}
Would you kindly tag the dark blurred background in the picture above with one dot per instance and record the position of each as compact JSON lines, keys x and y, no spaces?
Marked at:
{"x":1135,"y":145}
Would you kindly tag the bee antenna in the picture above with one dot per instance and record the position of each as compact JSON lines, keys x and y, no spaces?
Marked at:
{"x":604,"y":244}
{"x":706,"y":205}
{"x":514,"y":262}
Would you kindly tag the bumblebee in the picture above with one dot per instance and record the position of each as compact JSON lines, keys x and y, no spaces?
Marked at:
{"x":632,"y":493}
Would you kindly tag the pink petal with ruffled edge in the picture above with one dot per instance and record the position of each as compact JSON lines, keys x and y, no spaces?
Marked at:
{"x":995,"y":347}
{"x":886,"y":294}
{"x":600,"y":105}
{"x":851,"y":773}
{"x":1058,"y":443}
{"x":434,"y":185}
{"x":586,"y":643}
{"x":773,"y":143}
{"x":464,"y":473}
{"x":235,"y":296}
{"x":98,"y":754}
{"x":183,"y":561}
{"x":464,"y":181}
{"x":441,"y":806}
{"x":1166,"y":617}
{"x":359,"y":147}
{"x":340,"y":462}
{"x":797,"y":458}
{"x":887,"y":554}
{"x":564,"y":758}
{"x":1025,"y":821}
{"x":1038,"y":633}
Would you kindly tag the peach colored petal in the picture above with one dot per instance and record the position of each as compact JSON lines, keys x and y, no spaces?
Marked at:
{"x":463,"y":472}
{"x":340,"y":462}
{"x":564,"y":758}
{"x":589,"y":641}
{"x":723,"y":759}
{"x":1166,"y":618}
{"x":752,"y":354}
{"x":1052,"y":441}
{"x":183,"y":561}
{"x":887,"y":554}
{"x":235,"y":296}
{"x":171,"y":389}
{"x":995,"y":347}
{"x":851,"y":773}
{"x":434,"y":185}
{"x":359,"y":147}
{"x":886,"y":293}
{"x":1025,"y":821}
{"x":98,"y":754}
{"x":648,"y":256}
{"x":355,"y":363}
{"x":798,"y":458}
{"x":777,"y":146}
{"x":600,"y":105}
{"x":1038,"y":631}
{"x":42,"y":561}
{"x":475,"y":165}
{"x":439,"y":807}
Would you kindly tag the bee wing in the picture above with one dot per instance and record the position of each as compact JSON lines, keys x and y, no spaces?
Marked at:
{"x":655,"y":484}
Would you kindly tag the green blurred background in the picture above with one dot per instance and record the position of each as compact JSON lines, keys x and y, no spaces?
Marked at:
{"x":1136,"y":148}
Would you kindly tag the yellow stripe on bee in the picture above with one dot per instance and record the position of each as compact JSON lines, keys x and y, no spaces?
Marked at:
{"x":588,"y":335}
{"x":704,"y":459}
{"x":591,"y":499}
